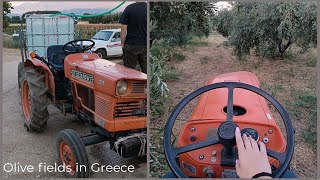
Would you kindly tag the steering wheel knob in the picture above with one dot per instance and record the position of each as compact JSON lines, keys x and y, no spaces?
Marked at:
{"x":226,"y":133}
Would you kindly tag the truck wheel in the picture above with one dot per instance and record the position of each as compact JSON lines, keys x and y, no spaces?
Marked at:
{"x":102,"y":53}
{"x":34,"y":99}
{"x":20,"y":73}
{"x":72,"y":153}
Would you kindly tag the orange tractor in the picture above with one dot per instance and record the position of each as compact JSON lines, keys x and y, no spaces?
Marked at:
{"x":206,"y":146}
{"x":109,"y":97}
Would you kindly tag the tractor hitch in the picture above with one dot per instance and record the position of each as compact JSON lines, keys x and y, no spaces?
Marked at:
{"x":133,"y":145}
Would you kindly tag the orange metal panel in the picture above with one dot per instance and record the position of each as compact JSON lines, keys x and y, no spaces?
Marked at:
{"x":105,"y":76}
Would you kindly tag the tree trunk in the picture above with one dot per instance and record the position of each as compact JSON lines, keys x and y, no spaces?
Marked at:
{"x":282,"y":48}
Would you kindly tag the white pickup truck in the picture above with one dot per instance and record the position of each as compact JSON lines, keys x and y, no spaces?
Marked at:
{"x":108,"y":43}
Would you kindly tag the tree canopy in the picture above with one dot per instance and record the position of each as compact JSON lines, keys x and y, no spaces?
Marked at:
{"x":7,"y":6}
{"x":268,"y":28}
{"x":15,"y":19}
{"x":175,"y":22}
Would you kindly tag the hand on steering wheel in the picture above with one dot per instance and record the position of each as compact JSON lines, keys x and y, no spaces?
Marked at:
{"x":76,"y":46}
{"x":252,"y":159}
{"x":226,"y":130}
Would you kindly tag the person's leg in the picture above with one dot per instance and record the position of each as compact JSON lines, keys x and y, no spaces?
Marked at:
{"x":143,"y":61}
{"x":130,"y":57}
{"x":289,"y":174}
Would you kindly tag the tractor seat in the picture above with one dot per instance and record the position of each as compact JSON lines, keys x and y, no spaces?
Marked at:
{"x":56,"y":57}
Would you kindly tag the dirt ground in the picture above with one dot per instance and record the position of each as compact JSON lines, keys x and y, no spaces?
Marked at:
{"x":30,"y":148}
{"x":212,"y":59}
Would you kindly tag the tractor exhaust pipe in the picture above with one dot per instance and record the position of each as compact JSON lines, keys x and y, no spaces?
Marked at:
{"x":93,"y":139}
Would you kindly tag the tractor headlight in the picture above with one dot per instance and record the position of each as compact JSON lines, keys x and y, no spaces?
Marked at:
{"x":122,"y":87}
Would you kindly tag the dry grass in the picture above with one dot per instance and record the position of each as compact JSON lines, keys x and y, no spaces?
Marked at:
{"x":289,"y":80}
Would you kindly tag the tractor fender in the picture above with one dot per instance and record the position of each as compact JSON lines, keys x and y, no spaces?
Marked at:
{"x":49,"y":78}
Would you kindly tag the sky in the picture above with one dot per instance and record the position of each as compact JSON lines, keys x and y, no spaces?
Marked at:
{"x":16,"y":3}
{"x":21,"y":7}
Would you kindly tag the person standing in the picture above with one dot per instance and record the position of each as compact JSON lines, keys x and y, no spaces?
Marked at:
{"x":134,"y":35}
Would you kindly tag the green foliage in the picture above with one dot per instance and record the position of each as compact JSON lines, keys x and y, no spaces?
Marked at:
{"x":177,"y":56}
{"x":304,"y":106}
{"x":15,"y":19}
{"x":8,"y":42}
{"x":195,"y":41}
{"x":177,"y":22}
{"x":172,"y":24}
{"x":7,"y":6}
{"x":272,"y":89}
{"x":158,"y":88}
{"x":171,"y":74}
{"x":312,"y":61}
{"x":223,"y":22}
{"x":10,"y":29}
{"x":268,"y":28}
{"x":204,"y":60}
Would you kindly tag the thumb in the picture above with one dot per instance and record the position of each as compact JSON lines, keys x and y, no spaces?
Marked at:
{"x":237,"y":166}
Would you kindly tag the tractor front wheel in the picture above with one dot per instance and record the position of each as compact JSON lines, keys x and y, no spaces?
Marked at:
{"x":71,"y":153}
{"x":34,"y":99}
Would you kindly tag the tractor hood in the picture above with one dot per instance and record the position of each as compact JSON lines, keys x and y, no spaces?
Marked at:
{"x":90,"y":70}
{"x":249,"y":106}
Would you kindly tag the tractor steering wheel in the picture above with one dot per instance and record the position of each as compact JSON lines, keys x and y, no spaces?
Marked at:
{"x":76,"y":47}
{"x":226,"y":130}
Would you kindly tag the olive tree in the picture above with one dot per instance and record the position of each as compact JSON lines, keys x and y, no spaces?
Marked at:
{"x":7,"y":6}
{"x":172,"y":24}
{"x":268,"y":28}
{"x":176,"y":22}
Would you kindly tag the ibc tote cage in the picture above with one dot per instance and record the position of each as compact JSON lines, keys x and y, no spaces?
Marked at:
{"x":44,"y":30}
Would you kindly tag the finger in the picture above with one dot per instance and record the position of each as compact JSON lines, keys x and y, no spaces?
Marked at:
{"x":254,"y":144}
{"x":262,"y":147}
{"x":246,"y":141}
{"x":237,"y":166}
{"x":239,"y":139}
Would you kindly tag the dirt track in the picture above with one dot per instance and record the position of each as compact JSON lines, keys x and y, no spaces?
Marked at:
{"x":30,"y":148}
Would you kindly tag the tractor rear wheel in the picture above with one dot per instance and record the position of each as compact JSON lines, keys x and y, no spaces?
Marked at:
{"x":71,"y":152}
{"x":20,"y":73}
{"x":34,"y":99}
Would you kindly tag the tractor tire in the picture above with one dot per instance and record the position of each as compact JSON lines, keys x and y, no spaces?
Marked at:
{"x":34,"y":99}
{"x":102,"y":53}
{"x":71,"y":152}
{"x":20,"y":73}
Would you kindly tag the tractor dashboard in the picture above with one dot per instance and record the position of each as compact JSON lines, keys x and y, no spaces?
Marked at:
{"x":195,"y":163}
